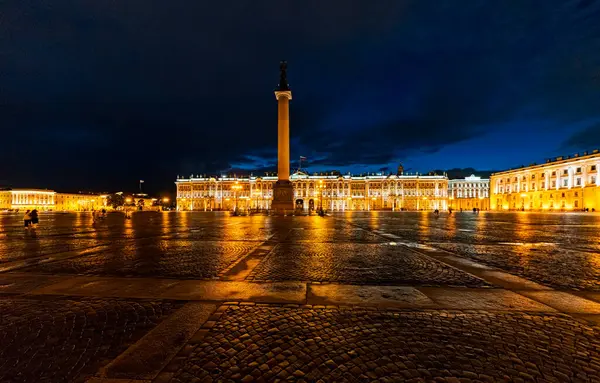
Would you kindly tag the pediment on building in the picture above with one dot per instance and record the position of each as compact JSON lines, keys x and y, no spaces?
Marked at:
{"x":299,"y":174}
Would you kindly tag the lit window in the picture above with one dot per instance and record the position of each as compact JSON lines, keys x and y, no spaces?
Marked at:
{"x":563,"y":195}
{"x":576,"y":204}
{"x":576,"y":194}
{"x":593,"y":179}
{"x":554,"y":173}
{"x":565,"y":182}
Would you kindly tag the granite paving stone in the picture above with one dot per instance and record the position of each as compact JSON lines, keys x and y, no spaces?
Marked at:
{"x":176,"y":258}
{"x":267,"y":343}
{"x":61,"y":339}
{"x":358,"y":263}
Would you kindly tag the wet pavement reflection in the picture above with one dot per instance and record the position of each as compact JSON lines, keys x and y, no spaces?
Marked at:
{"x":558,"y":250}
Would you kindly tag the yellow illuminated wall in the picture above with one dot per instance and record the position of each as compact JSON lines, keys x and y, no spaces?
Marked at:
{"x":562,"y":184}
{"x":333,"y":192}
{"x":23,"y":199}
{"x":79,"y":202}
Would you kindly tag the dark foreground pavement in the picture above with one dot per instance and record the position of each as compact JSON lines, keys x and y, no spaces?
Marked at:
{"x":355,"y":297}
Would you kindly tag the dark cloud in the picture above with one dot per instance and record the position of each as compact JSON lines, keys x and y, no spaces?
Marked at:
{"x":106,"y":93}
{"x":587,"y":138}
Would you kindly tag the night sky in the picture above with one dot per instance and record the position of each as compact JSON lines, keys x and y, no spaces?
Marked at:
{"x":96,"y":95}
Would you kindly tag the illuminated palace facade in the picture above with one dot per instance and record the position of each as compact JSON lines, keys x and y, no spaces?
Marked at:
{"x":47,"y":200}
{"x":560,"y":184}
{"x":332,"y":192}
{"x":468,"y":193}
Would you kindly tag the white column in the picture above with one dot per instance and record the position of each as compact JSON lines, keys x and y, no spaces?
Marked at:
{"x":570,"y":175}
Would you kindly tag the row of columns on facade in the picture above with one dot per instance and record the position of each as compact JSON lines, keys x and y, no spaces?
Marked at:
{"x":559,"y":177}
{"x":32,"y":199}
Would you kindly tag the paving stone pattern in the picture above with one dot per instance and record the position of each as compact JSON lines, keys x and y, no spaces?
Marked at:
{"x":67,"y":340}
{"x":343,"y":234}
{"x":256,"y":343}
{"x":558,"y":250}
{"x":544,"y":263}
{"x":160,"y":258}
{"x":358,"y":263}
{"x":31,"y":247}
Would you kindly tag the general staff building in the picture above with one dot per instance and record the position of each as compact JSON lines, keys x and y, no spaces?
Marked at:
{"x":560,"y":184}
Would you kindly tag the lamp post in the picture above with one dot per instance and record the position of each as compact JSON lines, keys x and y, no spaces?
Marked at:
{"x":320,"y":187}
{"x":236,"y":187}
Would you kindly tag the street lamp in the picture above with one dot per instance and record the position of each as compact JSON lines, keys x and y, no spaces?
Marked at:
{"x":235,"y":188}
{"x":320,"y":187}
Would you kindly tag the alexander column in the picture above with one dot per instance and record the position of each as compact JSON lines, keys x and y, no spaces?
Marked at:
{"x":283,"y":192}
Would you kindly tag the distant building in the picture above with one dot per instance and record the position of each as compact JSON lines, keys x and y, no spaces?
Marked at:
{"x":468,"y":193}
{"x":141,"y":201}
{"x":40,"y":199}
{"x":79,"y":202}
{"x":560,"y":184}
{"x":332,"y":191}
{"x":49,"y":200}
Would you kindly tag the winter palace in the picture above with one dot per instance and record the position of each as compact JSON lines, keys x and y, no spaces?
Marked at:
{"x":333,"y":192}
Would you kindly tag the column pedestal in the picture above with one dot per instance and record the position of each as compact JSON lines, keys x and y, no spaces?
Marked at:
{"x":283,"y":197}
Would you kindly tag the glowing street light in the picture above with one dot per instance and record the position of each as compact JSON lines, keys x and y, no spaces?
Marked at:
{"x":235,"y":188}
{"x":320,"y":188}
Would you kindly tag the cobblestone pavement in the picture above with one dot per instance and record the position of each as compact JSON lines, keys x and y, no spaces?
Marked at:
{"x":32,"y":247}
{"x":256,"y":343}
{"x":55,"y":338}
{"x":554,"y":249}
{"x":66,"y":339}
{"x":558,"y":250}
{"x":342,"y":234}
{"x":155,"y":258}
{"x":537,"y":262}
{"x":358,"y":263}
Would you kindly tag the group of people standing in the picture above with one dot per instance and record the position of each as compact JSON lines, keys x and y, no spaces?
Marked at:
{"x":98,"y":215}
{"x":31,"y":219}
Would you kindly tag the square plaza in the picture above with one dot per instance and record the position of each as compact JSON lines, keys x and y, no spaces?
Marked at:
{"x":355,"y":296}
